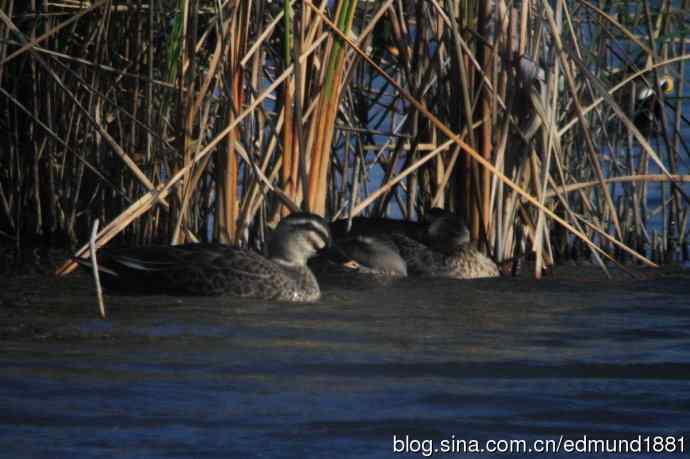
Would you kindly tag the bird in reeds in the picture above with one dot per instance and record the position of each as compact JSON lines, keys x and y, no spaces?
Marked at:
{"x":648,"y":109}
{"x":445,"y":251}
{"x":373,"y":255}
{"x":356,"y":262}
{"x":217,"y":269}
{"x":440,"y":246}
{"x":641,"y":99}
{"x":462,"y":261}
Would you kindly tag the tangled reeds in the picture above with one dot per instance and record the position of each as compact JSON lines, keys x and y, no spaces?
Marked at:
{"x":551,"y":126}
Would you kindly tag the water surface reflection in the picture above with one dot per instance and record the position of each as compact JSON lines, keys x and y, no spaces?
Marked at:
{"x":199,"y":377}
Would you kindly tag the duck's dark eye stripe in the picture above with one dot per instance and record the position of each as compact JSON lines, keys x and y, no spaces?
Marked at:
{"x":313,"y":226}
{"x":310,"y":223}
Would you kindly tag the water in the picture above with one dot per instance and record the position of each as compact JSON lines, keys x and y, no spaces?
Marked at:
{"x":495,"y":359}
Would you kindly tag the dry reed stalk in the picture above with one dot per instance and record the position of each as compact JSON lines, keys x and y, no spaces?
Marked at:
{"x":189,"y":188}
{"x":324,"y":123}
{"x":540,"y":186}
{"x":427,"y":47}
{"x":469,"y":150}
{"x":299,"y":168}
{"x":189,"y":185}
{"x":631,"y":127}
{"x":569,"y":124}
{"x":622,"y":179}
{"x":253,"y":197}
{"x":94,"y":269}
{"x":144,"y":203}
{"x":35,"y":41}
{"x":238,"y":49}
{"x":403,"y":174}
{"x":669,"y":223}
{"x":550,"y":144}
{"x":267,"y":182}
{"x":591,"y":149}
{"x":126,"y":158}
{"x":291,"y":143}
{"x":571,"y":214}
{"x":487,"y":129}
{"x":58,"y":139}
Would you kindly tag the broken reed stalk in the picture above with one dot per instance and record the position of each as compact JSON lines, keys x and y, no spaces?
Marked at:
{"x":94,"y":269}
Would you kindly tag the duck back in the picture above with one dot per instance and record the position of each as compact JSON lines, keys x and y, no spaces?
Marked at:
{"x":205,"y":269}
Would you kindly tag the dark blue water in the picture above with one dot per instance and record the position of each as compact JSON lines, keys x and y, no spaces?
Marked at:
{"x":500,"y":359}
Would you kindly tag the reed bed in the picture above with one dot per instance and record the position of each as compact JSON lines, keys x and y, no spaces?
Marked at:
{"x":193,"y":120}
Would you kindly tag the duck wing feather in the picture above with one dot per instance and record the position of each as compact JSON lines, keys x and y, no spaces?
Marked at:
{"x":202,"y":269}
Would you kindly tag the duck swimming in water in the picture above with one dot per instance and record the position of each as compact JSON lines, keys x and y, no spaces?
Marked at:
{"x":448,"y":251}
{"x":358,"y":262}
{"x":374,"y":255}
{"x":216,"y":269}
{"x":463,"y":261}
{"x":438,"y":247}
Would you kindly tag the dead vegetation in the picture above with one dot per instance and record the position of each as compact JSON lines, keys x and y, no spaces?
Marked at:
{"x":174,"y":121}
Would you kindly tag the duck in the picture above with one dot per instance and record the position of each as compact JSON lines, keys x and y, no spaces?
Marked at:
{"x":359,"y":262}
{"x":444,"y":230}
{"x":646,"y":110}
{"x":463,"y":261}
{"x":374,"y":255}
{"x":446,"y":251}
{"x":438,"y":246}
{"x":218,"y":269}
{"x":647,"y":116}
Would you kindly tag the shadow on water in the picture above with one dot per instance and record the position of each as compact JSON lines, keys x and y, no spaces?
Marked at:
{"x":206,"y":377}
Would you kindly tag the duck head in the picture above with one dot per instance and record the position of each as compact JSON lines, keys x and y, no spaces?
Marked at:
{"x":298,"y":237}
{"x":648,"y":108}
{"x":446,"y":231}
{"x":375,"y":254}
